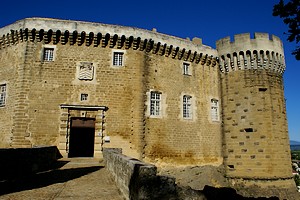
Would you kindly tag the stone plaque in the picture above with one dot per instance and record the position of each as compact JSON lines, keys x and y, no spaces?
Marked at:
{"x":86,"y":71}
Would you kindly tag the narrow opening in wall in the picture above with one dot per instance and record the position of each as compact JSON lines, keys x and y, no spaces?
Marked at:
{"x":248,"y":130}
{"x":231,"y":166}
{"x":83,"y":97}
{"x":262,"y":89}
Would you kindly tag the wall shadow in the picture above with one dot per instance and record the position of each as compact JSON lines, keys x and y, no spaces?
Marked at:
{"x":16,"y":162}
{"x":213,"y":193}
{"x":44,"y":179}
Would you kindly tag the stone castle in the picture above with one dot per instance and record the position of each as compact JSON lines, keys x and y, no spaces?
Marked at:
{"x":82,"y":86}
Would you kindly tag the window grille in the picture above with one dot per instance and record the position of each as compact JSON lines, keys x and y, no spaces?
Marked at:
{"x":214,"y":110}
{"x":118,"y":59}
{"x":187,"y":107}
{"x":84,"y":97}
{"x":155,"y":100}
{"x":48,"y":54}
{"x":2,"y":94}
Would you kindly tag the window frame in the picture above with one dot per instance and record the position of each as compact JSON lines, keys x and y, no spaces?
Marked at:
{"x":118,"y":62}
{"x":155,"y":104}
{"x":187,"y":107}
{"x":3,"y":94}
{"x":186,"y":69}
{"x":84,"y":97}
{"x":214,"y":110}
{"x":48,"y":57}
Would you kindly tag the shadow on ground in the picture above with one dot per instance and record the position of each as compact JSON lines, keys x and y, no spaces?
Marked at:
{"x":43,"y":179}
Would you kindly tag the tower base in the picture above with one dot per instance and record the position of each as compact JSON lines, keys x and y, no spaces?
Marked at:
{"x":281,"y":188}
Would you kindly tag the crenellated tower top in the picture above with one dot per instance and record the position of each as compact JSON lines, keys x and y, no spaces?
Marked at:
{"x":264,"y":51}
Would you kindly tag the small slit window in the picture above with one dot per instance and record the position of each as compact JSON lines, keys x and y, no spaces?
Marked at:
{"x":248,"y":130}
{"x":84,"y":97}
{"x":230,"y":166}
{"x":262,"y":89}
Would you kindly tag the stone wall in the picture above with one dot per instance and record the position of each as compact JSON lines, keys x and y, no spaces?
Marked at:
{"x":147,"y":66}
{"x":11,"y":60}
{"x":254,"y":114}
{"x":139,"y":180}
{"x":168,"y":137}
{"x":136,"y":179}
{"x":253,"y":146}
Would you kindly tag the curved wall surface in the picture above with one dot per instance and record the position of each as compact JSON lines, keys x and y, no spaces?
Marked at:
{"x":254,"y":114}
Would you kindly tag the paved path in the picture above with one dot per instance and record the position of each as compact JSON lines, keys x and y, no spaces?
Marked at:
{"x":82,"y":179}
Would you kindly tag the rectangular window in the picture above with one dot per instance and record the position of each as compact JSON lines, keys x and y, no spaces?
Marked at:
{"x":118,"y":58}
{"x":48,"y":54}
{"x":214,"y":110}
{"x":84,"y":97}
{"x":155,"y":99}
{"x":187,"y":107}
{"x":2,"y":94}
{"x":186,"y":69}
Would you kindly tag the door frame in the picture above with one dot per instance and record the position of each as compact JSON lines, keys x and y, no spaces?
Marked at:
{"x":68,"y":111}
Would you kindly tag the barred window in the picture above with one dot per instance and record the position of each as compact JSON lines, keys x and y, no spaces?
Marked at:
{"x":84,"y":97}
{"x":2,"y":94}
{"x":118,"y":58}
{"x":187,"y":107}
{"x":48,"y":54}
{"x":155,"y":101}
{"x":186,"y":69}
{"x":214,"y":110}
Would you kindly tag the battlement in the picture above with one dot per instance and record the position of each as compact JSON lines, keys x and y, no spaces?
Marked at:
{"x":264,"y":51}
{"x":245,"y":38}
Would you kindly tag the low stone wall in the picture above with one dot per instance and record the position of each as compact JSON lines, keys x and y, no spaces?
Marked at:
{"x":16,"y":162}
{"x":136,"y":179}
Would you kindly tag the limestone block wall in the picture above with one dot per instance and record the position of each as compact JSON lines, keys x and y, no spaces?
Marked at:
{"x":256,"y":142}
{"x":170,"y":137}
{"x":82,"y":64}
{"x":11,"y":63}
{"x":255,"y":128}
{"x":56,"y":83}
{"x":130,"y":175}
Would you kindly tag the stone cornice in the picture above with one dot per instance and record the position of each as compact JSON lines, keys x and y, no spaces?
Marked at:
{"x":103,"y":35}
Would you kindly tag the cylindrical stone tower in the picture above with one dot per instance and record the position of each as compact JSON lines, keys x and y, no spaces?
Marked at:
{"x":256,"y":142}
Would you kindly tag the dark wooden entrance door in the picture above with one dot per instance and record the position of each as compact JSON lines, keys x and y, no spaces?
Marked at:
{"x":82,"y":137}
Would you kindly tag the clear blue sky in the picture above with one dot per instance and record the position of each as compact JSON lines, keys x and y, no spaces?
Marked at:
{"x":210,"y":20}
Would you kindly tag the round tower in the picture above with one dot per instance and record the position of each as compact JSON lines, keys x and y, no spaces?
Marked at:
{"x":255,"y":133}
